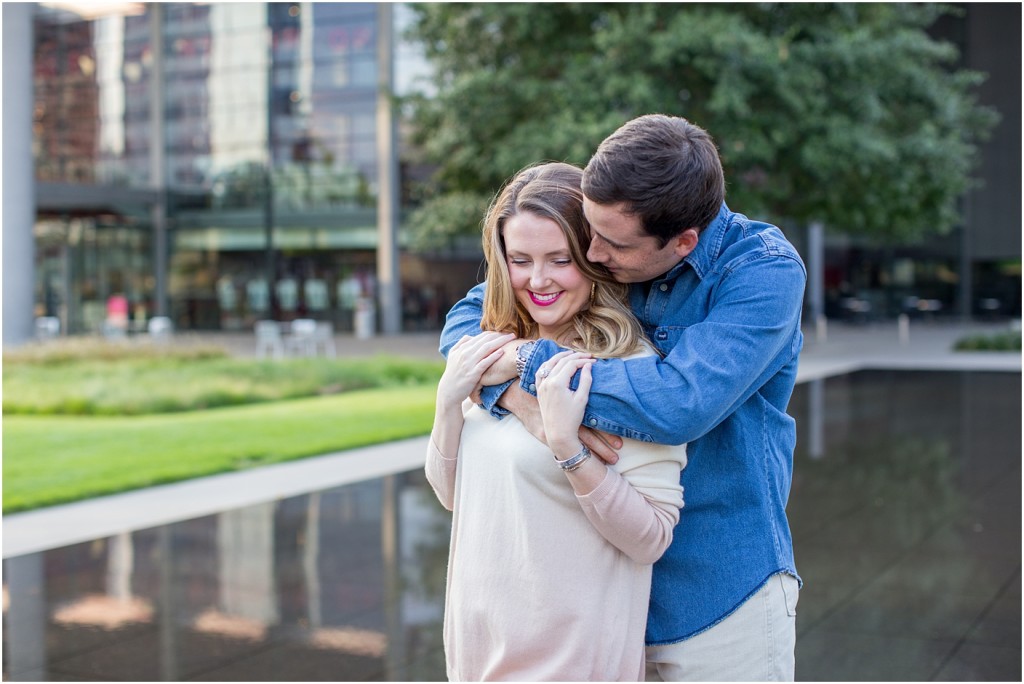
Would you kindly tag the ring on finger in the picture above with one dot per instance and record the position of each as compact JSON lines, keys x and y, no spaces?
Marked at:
{"x":543,"y":372}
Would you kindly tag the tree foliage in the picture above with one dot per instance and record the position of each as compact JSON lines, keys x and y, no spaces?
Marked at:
{"x":850,"y":114}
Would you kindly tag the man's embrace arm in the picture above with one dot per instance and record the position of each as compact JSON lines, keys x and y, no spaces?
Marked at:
{"x":507,"y":396}
{"x":714,"y":365}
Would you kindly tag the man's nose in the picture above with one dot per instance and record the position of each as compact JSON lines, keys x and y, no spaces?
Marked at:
{"x":594,"y":253}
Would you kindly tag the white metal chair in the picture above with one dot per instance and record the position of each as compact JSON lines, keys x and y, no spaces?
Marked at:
{"x":302,"y":338}
{"x":47,"y":327}
{"x":160,"y":328}
{"x":268,"y":339}
{"x":323,"y":337}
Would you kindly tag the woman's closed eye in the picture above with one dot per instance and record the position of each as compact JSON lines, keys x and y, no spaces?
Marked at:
{"x":525,"y":262}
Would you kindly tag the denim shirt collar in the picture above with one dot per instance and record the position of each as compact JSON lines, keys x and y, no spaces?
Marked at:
{"x":709,"y":246}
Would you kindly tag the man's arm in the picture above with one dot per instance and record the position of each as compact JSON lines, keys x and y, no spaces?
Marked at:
{"x":714,"y":366}
{"x":464,"y":319}
{"x":525,"y":407}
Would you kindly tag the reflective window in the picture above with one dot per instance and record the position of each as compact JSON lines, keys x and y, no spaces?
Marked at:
{"x":259,"y":101}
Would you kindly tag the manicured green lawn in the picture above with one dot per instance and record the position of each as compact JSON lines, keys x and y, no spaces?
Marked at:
{"x":138,"y":385}
{"x":58,"y":459}
{"x":86,"y":417}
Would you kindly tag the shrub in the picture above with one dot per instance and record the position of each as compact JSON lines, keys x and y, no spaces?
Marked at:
{"x":138,"y":382}
{"x":85,"y":348}
{"x":1009,"y":341}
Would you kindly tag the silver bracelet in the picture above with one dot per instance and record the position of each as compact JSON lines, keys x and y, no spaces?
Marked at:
{"x":573,"y":462}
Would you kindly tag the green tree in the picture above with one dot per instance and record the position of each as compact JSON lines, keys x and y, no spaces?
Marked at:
{"x":848,"y":114}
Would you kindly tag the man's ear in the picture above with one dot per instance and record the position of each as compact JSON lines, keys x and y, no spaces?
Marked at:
{"x":685,"y":242}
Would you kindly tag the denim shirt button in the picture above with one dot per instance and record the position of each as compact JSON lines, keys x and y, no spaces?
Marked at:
{"x":662,"y":335}
{"x":663,"y":287}
{"x":533,"y":387}
{"x":593,"y":421}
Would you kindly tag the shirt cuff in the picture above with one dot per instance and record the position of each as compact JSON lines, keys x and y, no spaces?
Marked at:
{"x":542,"y":351}
{"x":489,"y":397}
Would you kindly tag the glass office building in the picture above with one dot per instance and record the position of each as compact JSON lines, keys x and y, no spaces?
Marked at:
{"x":217,"y":163}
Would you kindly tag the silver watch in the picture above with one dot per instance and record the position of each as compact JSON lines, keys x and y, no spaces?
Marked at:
{"x":523,"y":352}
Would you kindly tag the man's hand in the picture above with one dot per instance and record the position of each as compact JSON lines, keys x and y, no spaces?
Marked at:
{"x":504,"y":369}
{"x":525,"y":407}
{"x":604,"y":445}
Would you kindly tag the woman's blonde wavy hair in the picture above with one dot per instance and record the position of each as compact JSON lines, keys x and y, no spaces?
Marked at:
{"x":607,"y":328}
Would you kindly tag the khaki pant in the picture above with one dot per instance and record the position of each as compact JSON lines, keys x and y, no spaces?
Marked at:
{"x":754,"y":644}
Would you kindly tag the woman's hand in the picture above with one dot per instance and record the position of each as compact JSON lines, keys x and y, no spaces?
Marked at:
{"x":503,"y":369}
{"x":561,"y":408}
{"x":467,"y":361}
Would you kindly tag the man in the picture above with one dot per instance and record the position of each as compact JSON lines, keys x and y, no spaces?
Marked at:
{"x":720,"y":296}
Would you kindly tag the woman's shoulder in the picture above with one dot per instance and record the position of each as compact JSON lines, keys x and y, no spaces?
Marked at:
{"x":635,"y":453}
{"x":646,"y":349}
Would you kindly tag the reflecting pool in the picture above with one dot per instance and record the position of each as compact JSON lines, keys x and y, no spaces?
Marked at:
{"x":906,"y":515}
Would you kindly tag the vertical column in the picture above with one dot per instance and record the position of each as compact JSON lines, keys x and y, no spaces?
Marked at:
{"x":816,"y":276}
{"x":270,"y":257}
{"x":120,"y":565}
{"x":19,"y":188}
{"x":245,"y":543}
{"x":70,"y":309}
{"x":169,"y":670}
{"x":310,"y":561}
{"x":395,"y":656}
{"x":388,"y":289}
{"x":158,"y":155}
{"x":965,"y":288}
{"x":25,"y":647}
{"x":816,"y":418}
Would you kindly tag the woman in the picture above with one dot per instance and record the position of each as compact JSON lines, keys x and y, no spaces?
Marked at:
{"x":549,"y":568}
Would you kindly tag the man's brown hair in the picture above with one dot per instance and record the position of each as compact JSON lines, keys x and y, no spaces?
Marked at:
{"x":665,"y":170}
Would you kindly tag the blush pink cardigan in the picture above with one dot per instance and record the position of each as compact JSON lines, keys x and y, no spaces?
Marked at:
{"x":545,"y":585}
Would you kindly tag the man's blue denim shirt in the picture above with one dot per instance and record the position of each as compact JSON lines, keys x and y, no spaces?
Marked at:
{"x":727,"y":321}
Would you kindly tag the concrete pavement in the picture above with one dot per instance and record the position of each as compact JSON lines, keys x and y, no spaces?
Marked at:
{"x":843,"y":349}
{"x":886,"y":346}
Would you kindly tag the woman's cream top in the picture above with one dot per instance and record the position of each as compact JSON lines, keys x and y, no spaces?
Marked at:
{"x":545,"y":585}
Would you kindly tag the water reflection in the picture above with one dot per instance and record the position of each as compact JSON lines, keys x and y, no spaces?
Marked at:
{"x":905,"y":508}
{"x":906,"y":516}
{"x":344,"y":584}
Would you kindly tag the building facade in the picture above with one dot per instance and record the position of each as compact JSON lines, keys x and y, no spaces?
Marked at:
{"x":974,"y":271}
{"x":221,"y":163}
{"x":218,"y":164}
